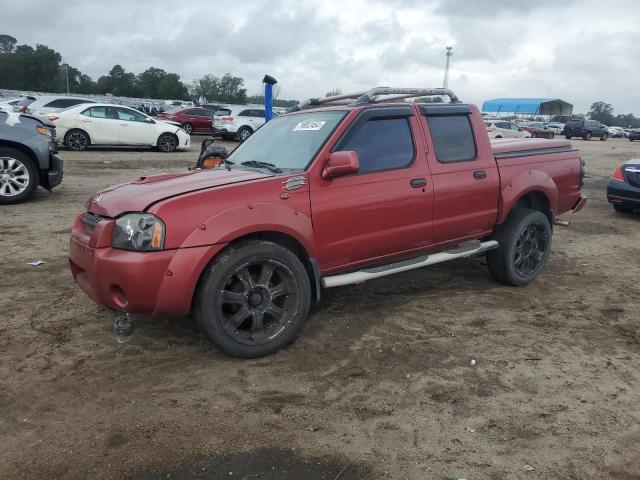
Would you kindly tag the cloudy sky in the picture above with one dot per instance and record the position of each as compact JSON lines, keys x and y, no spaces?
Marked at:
{"x":577,"y":50}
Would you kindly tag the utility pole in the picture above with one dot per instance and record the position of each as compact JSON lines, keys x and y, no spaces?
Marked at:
{"x":66,"y":69}
{"x":445,"y":82}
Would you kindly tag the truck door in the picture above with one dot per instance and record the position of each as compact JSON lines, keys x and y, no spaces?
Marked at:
{"x":384,"y":209}
{"x":465,"y":176}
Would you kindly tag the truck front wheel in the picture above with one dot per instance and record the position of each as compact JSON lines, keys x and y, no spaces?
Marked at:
{"x":254,"y":299}
{"x":524,"y":243}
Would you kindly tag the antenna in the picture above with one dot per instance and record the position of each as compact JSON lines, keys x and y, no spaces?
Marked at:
{"x":445,"y":82}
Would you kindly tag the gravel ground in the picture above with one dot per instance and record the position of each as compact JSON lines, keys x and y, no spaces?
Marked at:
{"x":380,"y":382}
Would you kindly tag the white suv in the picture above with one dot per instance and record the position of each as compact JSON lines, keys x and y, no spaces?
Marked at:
{"x":238,"y":123}
{"x":53,"y":104}
{"x":505,"y":129}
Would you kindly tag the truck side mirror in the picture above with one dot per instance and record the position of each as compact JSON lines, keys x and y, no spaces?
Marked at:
{"x":341,"y":164}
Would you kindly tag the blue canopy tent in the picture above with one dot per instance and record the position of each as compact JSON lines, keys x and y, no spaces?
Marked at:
{"x":524,"y":106}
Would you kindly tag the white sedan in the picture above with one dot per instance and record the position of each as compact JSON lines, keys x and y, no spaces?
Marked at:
{"x":107,"y":124}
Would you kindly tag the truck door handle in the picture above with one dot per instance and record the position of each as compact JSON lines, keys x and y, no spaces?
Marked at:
{"x":479,"y":174}
{"x":418,"y":182}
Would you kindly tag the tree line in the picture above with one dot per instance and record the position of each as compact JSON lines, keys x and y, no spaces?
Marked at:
{"x":41,"y":69}
{"x":603,"y":112}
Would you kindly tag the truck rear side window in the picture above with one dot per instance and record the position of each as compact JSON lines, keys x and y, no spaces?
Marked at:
{"x":452,"y":138}
{"x":382,"y":144}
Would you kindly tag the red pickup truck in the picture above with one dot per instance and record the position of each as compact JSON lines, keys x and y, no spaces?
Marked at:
{"x":345,"y":189}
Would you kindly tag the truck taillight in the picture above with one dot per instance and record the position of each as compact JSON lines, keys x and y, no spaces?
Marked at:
{"x":618,"y":175}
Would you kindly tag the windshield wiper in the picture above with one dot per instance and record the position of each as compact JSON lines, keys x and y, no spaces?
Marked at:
{"x":255,"y":163}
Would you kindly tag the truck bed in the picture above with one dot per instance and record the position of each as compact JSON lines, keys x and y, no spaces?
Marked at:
{"x":553,"y":163}
{"x":518,"y":147}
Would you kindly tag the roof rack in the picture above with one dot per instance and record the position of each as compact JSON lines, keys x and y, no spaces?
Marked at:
{"x":375,"y":95}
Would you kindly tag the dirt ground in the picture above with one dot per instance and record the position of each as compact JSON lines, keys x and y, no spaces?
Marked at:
{"x":380,"y":382}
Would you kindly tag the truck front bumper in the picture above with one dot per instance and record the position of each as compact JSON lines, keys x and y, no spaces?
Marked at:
{"x":158,"y":283}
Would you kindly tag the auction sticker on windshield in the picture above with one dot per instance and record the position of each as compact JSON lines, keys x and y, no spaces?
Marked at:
{"x":309,"y":125}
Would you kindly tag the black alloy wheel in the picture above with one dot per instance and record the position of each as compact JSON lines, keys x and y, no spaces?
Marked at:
{"x":254,"y":298}
{"x":258,"y":302}
{"x":530,"y":250}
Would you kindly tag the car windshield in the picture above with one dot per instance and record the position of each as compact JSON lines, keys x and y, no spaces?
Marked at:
{"x":288,"y":143}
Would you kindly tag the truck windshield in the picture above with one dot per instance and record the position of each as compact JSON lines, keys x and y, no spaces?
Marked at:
{"x":287,"y":143}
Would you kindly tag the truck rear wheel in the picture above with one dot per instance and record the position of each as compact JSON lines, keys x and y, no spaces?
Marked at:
{"x":254,"y":299}
{"x":524,"y":244}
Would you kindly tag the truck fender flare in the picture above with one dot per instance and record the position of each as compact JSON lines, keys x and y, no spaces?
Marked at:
{"x":229,"y":225}
{"x":524,"y":183}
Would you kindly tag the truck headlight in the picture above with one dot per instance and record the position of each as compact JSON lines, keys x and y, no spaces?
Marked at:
{"x":141,"y":232}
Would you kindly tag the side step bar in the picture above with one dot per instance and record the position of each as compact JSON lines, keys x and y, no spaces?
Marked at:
{"x":463,"y":250}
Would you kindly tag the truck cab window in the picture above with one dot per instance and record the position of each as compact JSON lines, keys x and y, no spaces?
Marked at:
{"x":452,"y":138}
{"x":382,"y":144}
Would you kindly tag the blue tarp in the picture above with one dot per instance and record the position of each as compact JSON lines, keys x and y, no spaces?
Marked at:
{"x":536,"y":106}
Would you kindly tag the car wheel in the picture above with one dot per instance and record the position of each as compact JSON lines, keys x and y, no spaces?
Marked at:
{"x":167,"y":142}
{"x":524,"y":243}
{"x":587,"y":136}
{"x":622,"y":208}
{"x":604,"y":137}
{"x":254,"y":299}
{"x":552,"y":135}
{"x":244,"y":133}
{"x":18,"y":176}
{"x":77,"y":140}
{"x":187,"y":127}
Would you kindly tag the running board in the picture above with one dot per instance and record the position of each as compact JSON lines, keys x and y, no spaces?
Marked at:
{"x":463,"y":250}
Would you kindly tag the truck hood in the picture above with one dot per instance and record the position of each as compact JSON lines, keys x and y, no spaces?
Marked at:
{"x":140,"y":194}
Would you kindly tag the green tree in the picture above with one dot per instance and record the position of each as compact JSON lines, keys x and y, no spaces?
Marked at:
{"x":86,"y":84}
{"x":7,"y":44}
{"x":333,"y":92}
{"x":227,"y":89}
{"x":601,"y":111}
{"x":119,"y":83}
{"x":148,"y":81}
{"x":170,"y":87}
{"x":259,"y":100}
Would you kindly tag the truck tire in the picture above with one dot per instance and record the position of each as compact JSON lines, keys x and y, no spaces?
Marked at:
{"x":604,"y":137}
{"x":524,"y":244}
{"x":253,"y":299}
{"x":18,"y":176}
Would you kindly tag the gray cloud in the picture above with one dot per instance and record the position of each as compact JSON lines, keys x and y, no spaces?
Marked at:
{"x":501,"y":47}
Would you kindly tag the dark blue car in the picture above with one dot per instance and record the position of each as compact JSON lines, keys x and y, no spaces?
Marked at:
{"x":623,"y":191}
